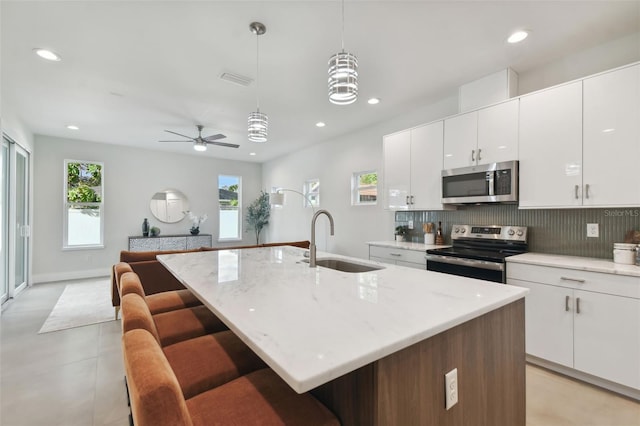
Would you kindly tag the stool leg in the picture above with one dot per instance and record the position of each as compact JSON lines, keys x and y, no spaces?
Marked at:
{"x":117,"y":308}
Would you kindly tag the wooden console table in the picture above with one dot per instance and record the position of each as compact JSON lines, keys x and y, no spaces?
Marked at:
{"x":169,"y":242}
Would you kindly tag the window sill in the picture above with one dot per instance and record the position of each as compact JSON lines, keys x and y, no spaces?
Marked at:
{"x":88,"y":247}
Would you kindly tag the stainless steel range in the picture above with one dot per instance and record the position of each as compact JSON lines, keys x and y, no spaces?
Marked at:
{"x":479,"y":251}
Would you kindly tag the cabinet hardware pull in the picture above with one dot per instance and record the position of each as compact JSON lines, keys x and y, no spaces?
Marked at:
{"x":412,"y":200}
{"x":473,"y":154}
{"x":586,"y":191}
{"x":406,"y":200}
{"x":566,"y":303}
{"x":577,"y":187}
{"x":577,"y":305}
{"x":578,"y":280}
{"x":395,"y":254}
{"x":479,"y":151}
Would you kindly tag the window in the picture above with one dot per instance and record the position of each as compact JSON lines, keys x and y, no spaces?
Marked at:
{"x":364,"y":188}
{"x":83,"y":204}
{"x":229,"y":190}
{"x":311,"y":193}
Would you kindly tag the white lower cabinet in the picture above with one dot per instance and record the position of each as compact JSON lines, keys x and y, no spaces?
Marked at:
{"x":401,"y":257}
{"x":586,"y":321}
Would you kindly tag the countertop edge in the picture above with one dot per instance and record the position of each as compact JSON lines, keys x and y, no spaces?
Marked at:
{"x":576,"y":263}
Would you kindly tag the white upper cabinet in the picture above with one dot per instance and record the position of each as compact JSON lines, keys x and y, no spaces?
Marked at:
{"x":488,"y":135}
{"x":611,"y":145}
{"x":550,"y":149}
{"x":412,"y":168}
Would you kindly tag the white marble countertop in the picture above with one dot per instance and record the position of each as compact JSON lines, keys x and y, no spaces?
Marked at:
{"x":312,"y":325}
{"x":575,"y":262}
{"x":406,"y":245}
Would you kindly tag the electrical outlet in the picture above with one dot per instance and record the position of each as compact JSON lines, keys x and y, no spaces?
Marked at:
{"x":451,"y":388}
{"x":410,"y":224}
{"x":593,"y":230}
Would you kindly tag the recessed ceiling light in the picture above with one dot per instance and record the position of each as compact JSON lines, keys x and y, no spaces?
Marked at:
{"x":373,"y":101}
{"x":252,"y":153}
{"x":320,"y":124}
{"x":73,"y":127}
{"x":47,"y":54}
{"x":518,"y":36}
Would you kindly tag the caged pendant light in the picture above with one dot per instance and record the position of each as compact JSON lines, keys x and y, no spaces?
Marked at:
{"x":343,"y":75}
{"x":258,"y":122}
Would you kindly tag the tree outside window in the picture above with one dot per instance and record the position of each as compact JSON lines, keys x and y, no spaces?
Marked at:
{"x":364,"y":188}
{"x":83,"y":204}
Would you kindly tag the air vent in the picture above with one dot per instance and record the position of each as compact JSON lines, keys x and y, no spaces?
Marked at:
{"x":237,"y":79}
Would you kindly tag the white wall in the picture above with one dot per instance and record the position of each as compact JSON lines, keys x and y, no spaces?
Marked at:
{"x":131,"y":177}
{"x":333,"y":163}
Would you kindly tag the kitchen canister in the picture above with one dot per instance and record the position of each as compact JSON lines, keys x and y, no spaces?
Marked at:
{"x":624,"y":253}
{"x":429,"y":238}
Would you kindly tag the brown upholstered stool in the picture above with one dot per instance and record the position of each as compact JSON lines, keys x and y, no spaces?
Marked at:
{"x":260,"y":397}
{"x":168,"y":327}
{"x":166,"y":301}
{"x":200,"y":363}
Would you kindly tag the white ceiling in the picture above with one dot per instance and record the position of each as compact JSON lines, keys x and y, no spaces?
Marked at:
{"x":131,"y":69}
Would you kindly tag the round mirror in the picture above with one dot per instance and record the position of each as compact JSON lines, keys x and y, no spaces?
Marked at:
{"x":169,"y":206}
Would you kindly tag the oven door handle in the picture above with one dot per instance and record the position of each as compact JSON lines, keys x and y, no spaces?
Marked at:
{"x":473,"y":263}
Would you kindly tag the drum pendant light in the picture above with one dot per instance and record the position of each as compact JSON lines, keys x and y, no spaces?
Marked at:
{"x":343,"y":75}
{"x":258,"y":122}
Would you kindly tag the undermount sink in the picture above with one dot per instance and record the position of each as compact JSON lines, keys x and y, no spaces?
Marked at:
{"x":344,"y":265}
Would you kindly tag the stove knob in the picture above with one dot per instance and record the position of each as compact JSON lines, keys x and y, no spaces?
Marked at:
{"x":457,"y":230}
{"x":463,"y":230}
{"x":511,"y":232}
{"x":520,"y":233}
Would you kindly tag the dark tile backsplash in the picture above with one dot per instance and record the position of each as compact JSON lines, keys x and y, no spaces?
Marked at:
{"x":559,"y":231}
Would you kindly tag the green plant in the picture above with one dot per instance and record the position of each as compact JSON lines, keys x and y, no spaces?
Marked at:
{"x":258,"y":214}
{"x":402,"y":230}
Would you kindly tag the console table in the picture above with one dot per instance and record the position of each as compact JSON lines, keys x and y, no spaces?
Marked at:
{"x":169,"y":242}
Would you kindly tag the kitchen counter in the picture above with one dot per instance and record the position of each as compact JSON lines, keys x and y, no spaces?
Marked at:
{"x":575,"y":262}
{"x":312,"y":325}
{"x":406,"y":245}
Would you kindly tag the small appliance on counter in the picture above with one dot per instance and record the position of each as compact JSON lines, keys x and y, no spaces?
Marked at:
{"x":479,"y":251}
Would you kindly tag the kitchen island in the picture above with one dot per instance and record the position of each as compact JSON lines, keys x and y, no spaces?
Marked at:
{"x":373,"y":346}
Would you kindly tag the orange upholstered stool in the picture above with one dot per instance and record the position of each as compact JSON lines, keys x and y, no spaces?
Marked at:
{"x":260,"y":397}
{"x":158,"y":303}
{"x":169,"y":327}
{"x":200,"y":363}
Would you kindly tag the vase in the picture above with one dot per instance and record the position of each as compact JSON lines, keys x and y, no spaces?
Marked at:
{"x":195,"y":231}
{"x":145,"y":227}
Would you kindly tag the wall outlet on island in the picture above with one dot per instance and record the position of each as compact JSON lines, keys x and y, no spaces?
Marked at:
{"x":451,"y":388}
{"x":593,"y":230}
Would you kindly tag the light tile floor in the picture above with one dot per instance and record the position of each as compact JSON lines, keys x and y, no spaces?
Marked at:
{"x":75,"y":377}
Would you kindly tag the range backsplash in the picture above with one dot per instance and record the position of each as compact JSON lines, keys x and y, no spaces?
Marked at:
{"x":559,"y":231}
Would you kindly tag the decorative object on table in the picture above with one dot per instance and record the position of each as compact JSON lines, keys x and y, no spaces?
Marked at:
{"x":439,"y":237}
{"x":429,"y":236}
{"x":196,"y":221}
{"x":401,"y":231}
{"x":258,"y":214}
{"x":154,"y":231}
{"x":145,"y":227}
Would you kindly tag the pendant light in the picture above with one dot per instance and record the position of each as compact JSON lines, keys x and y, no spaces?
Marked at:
{"x":258,"y":122}
{"x":343,"y":75}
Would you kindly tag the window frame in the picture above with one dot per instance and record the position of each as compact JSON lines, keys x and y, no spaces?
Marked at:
{"x":66,"y":205}
{"x":240,"y":210}
{"x":306,"y":191}
{"x":355,"y":188}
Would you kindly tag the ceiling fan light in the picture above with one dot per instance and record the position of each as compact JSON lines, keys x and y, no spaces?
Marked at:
{"x":200,"y":146}
{"x":343,"y":78}
{"x":258,"y":126}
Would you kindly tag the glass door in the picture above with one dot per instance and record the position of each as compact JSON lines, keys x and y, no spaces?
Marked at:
{"x":22,"y":228}
{"x":4,"y":222}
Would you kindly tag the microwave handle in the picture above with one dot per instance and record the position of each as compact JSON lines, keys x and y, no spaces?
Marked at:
{"x":491,"y":182}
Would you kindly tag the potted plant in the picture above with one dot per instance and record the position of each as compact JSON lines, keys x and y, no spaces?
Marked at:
{"x":196,"y":221}
{"x":258,"y":214}
{"x":401,"y":231}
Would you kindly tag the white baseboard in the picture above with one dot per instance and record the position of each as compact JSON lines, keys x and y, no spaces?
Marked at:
{"x":72,"y":275}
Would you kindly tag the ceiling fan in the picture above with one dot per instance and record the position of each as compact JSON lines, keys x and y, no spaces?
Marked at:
{"x":200,"y":143}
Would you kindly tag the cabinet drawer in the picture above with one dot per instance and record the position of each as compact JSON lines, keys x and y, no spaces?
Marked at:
{"x":396,"y":255}
{"x":618,"y":285}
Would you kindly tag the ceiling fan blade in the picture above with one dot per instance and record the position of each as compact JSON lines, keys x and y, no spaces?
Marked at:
{"x":179,"y":134}
{"x":228,"y":145}
{"x":214,"y":137}
{"x":177,"y":141}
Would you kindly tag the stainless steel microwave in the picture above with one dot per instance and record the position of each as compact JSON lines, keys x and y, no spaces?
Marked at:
{"x":484,"y":183}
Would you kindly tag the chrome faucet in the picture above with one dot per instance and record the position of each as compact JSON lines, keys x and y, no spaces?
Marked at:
{"x":312,"y":246}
